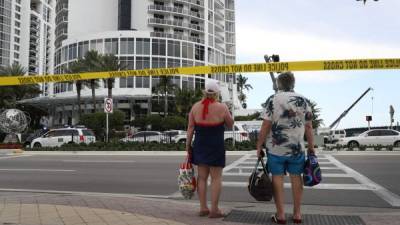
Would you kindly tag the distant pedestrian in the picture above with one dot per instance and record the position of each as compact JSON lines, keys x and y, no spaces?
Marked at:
{"x":207,"y":121}
{"x":288,"y":117}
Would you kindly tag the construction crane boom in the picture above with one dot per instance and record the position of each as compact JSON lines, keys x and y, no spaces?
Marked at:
{"x":347,"y":110}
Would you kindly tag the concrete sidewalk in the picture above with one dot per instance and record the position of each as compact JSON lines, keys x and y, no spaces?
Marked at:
{"x":27,"y":208}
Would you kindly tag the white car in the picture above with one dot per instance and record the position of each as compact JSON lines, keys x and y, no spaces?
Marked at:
{"x":146,"y":136}
{"x":58,"y":137}
{"x":373,"y":137}
{"x":240,"y":134}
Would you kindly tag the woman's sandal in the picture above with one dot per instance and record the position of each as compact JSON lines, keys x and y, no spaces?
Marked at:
{"x":274,"y":219}
{"x":204,"y":212}
{"x":218,"y":214}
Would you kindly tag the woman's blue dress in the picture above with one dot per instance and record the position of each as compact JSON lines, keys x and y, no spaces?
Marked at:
{"x":208,"y":146}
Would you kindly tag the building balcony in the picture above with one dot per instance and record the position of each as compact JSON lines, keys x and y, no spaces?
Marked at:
{"x":219,"y":14}
{"x":61,"y":7}
{"x":61,"y":19}
{"x":219,"y":48}
{"x":219,"y":38}
{"x":174,"y":23}
{"x":219,"y":27}
{"x":174,"y":10}
{"x":198,"y":3}
{"x":177,"y":36}
{"x":218,"y":4}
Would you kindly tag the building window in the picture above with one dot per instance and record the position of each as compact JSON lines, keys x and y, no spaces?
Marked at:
{"x":142,"y":63}
{"x":158,"y":47}
{"x":72,"y":52}
{"x":157,"y":62}
{"x":143,"y":46}
{"x":83,"y":48}
{"x":173,"y":63}
{"x":97,"y":45}
{"x":187,"y":82}
{"x":174,"y":48}
{"x":187,"y":50}
{"x":127,"y":46}
{"x":111,"y":46}
{"x":127,"y":63}
{"x":199,"y":52}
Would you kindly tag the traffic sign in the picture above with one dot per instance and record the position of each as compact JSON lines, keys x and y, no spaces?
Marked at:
{"x":108,"y":105}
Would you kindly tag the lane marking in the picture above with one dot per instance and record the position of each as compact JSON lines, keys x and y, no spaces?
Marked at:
{"x":319,"y":186}
{"x":243,"y":174}
{"x":15,"y":156}
{"x":99,"y":161}
{"x":38,"y":170}
{"x":385,"y":194}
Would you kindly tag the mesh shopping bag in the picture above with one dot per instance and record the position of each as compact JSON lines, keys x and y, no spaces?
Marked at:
{"x":187,"y":179}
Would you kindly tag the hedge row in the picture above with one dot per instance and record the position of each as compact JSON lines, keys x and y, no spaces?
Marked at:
{"x":134,"y":146}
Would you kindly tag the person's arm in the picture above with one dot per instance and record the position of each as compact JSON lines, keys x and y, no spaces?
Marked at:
{"x":310,"y":137}
{"x":190,"y":131}
{"x":228,"y":119}
{"x":264,"y":131}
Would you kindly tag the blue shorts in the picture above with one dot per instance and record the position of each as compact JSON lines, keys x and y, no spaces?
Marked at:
{"x":278,"y":165}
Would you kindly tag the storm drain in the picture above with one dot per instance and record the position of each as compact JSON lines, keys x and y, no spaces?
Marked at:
{"x":265,"y":219}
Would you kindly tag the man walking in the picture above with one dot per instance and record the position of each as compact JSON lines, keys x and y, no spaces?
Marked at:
{"x":287,"y":119}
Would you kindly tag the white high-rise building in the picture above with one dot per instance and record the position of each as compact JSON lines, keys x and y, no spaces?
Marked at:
{"x":142,"y":34}
{"x":27,"y":35}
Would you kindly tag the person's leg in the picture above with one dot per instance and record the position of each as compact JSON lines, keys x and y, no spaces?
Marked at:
{"x":276,"y":166}
{"x":295,"y":169}
{"x":202,"y":178}
{"x":216,"y":183}
{"x":277,"y":182}
{"x":297,"y":190}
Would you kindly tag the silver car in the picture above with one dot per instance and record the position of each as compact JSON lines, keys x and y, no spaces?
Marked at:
{"x":145,"y":136}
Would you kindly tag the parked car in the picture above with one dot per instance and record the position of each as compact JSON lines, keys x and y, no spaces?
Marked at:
{"x":145,"y":136}
{"x":373,"y":137}
{"x":240,"y":134}
{"x":58,"y":137}
{"x":170,"y":135}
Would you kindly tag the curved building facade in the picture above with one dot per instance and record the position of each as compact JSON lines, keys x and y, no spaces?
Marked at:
{"x":142,"y":34}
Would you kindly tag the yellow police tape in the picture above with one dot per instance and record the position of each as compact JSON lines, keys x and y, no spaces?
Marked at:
{"x":328,"y":65}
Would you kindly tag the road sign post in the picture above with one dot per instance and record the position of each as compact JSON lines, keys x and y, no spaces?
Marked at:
{"x":108,"y":108}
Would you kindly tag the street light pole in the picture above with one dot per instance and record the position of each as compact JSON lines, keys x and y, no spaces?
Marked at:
{"x":268,"y":59}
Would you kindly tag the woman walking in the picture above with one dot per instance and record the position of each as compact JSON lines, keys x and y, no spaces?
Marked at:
{"x":207,"y":121}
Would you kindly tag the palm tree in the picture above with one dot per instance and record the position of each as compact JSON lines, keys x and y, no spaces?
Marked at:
{"x":92,"y":63}
{"x":78,"y":67}
{"x":164,"y":87}
{"x":184,"y":99}
{"x":241,"y":86}
{"x":9,"y":95}
{"x":316,"y":121}
{"x":109,"y":63}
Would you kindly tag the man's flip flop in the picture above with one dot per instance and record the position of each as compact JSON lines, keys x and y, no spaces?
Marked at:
{"x":297,"y":221}
{"x":216,"y":215}
{"x":274,"y":219}
{"x":204,"y":213}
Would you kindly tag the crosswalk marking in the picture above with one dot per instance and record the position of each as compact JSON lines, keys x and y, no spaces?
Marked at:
{"x":244,"y":166}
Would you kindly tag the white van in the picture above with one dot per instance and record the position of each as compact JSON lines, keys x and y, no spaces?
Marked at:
{"x":58,"y":137}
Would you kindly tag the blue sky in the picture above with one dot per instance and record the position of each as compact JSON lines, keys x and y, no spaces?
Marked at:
{"x":324,"y":29}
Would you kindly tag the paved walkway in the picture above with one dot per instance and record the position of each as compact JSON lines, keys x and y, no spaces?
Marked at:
{"x":26,"y":208}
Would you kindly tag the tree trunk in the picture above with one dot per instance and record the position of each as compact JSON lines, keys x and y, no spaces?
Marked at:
{"x":109,"y":86}
{"x":165,"y":104}
{"x":93,"y":87}
{"x":78,"y":91}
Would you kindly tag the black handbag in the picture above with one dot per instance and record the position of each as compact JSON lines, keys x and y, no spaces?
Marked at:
{"x":260,"y":185}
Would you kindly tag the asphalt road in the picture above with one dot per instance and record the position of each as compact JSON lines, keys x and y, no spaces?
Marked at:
{"x":348,"y":180}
